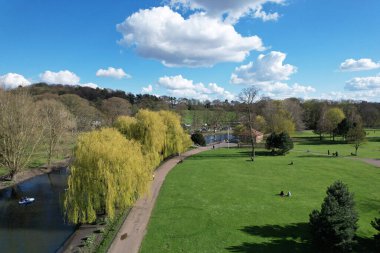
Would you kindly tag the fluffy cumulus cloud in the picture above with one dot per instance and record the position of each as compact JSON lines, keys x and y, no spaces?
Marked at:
{"x":231,"y":11}
{"x":113,"y":72}
{"x":198,"y":41}
{"x":179,"y":86}
{"x":148,"y":89}
{"x":363,"y":83}
{"x":358,"y":65}
{"x":267,"y":68}
{"x":60,"y":77}
{"x":64,"y":77}
{"x":268,"y":74}
{"x":13,"y":80}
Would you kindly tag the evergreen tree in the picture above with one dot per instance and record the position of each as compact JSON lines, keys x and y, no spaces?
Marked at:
{"x":198,"y":138}
{"x":335,"y":225}
{"x":280,"y":143}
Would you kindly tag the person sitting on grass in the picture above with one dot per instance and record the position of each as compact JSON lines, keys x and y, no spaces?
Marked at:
{"x":282,"y":194}
{"x":289,"y":194}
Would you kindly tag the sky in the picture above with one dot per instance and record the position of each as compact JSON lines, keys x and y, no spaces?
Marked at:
{"x":203,"y":49}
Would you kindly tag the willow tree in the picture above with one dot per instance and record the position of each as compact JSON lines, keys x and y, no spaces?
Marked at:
{"x":176,"y":140}
{"x":126,"y":125}
{"x":108,"y":172}
{"x":150,"y":131}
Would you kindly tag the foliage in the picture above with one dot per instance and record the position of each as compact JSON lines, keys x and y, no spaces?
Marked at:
{"x":333,"y":117}
{"x":115,"y":107}
{"x":376,"y":225}
{"x":336,"y":224}
{"x":356,"y":136}
{"x":176,"y":139}
{"x":198,"y":138}
{"x":20,"y":130}
{"x":280,"y":143}
{"x":108,"y":172}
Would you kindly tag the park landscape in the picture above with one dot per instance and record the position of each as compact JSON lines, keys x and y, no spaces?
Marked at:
{"x":189,"y":126}
{"x":220,"y":201}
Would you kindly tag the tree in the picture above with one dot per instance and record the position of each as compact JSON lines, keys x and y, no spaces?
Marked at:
{"x":356,"y":136}
{"x":198,"y":138}
{"x":279,"y":143}
{"x":108,"y":172}
{"x":176,"y":140}
{"x":247,"y":97}
{"x":86,"y":115}
{"x":58,"y":122}
{"x":342,"y":128}
{"x":277,"y":119}
{"x":333,"y":117}
{"x":20,"y":130}
{"x":376,"y":225}
{"x":115,"y":107}
{"x":335,"y":225}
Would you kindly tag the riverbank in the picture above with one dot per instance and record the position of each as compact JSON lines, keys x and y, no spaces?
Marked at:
{"x":30,"y":173}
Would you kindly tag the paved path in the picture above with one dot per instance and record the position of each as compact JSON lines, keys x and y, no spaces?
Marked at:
{"x":132,"y":232}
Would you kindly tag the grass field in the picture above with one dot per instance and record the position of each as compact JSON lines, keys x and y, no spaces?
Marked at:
{"x":218,"y":201}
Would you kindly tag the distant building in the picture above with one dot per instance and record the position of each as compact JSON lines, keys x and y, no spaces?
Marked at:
{"x":259,"y":135}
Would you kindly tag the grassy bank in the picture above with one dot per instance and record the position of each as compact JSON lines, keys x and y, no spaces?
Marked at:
{"x":219,"y":201}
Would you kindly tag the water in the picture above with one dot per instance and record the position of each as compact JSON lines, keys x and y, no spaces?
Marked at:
{"x":39,"y":226}
{"x":218,"y":138}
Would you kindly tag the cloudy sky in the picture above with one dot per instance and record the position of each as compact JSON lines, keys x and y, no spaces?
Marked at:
{"x":204,"y":49}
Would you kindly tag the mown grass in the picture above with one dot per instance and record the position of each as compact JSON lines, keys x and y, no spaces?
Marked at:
{"x":219,"y":201}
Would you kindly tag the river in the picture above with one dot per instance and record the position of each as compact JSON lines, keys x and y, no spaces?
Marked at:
{"x":39,"y":226}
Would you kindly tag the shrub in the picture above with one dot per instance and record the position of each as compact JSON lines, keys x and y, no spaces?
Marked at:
{"x":198,"y":138}
{"x":335,"y":225}
{"x":279,"y":143}
{"x":376,"y":225}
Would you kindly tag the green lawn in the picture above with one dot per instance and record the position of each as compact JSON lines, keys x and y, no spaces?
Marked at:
{"x":218,"y":201}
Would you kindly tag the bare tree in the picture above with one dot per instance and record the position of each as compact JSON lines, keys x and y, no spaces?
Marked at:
{"x":20,"y":130}
{"x":115,"y":107}
{"x":247,"y":96}
{"x":58,"y":122}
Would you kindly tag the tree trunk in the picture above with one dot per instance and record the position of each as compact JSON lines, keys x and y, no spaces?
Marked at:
{"x":356,"y":150}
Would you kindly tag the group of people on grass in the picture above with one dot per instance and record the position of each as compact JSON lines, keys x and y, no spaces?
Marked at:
{"x":282,"y":194}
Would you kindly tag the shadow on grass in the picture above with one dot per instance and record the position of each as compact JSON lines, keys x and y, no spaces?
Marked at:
{"x":292,"y":238}
{"x":289,"y":238}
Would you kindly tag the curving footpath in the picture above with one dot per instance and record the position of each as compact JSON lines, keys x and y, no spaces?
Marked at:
{"x":132,"y":232}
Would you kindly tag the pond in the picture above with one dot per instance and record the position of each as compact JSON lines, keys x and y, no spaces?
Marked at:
{"x":218,"y":138}
{"x":39,"y":226}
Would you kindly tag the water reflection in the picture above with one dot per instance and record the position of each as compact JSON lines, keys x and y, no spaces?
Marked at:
{"x":36,"y":227}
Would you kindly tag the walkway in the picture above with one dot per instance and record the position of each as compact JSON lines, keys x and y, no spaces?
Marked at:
{"x":132,"y":232}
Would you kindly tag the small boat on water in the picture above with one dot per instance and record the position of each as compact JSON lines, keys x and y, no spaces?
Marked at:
{"x":25,"y":201}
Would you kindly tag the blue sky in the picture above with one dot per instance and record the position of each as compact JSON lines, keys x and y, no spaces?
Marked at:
{"x":202,"y":49}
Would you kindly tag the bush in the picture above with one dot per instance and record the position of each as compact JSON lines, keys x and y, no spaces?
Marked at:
{"x":376,"y":225}
{"x":279,"y":143}
{"x":335,"y":225}
{"x":198,"y":138}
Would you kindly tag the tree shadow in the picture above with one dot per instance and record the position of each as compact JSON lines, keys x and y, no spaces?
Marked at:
{"x":292,"y":238}
{"x":289,"y":238}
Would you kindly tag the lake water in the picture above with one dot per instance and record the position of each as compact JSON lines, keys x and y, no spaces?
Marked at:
{"x":39,"y":226}
{"x":217,"y":138}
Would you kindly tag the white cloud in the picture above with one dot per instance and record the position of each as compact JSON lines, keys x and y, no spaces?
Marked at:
{"x":198,"y":41}
{"x":113,"y":72}
{"x":358,"y":65}
{"x":91,"y":85}
{"x":64,"y":77}
{"x":268,"y":68}
{"x":259,"y":13}
{"x":363,"y":83}
{"x":60,"y":77}
{"x":181,"y":87}
{"x":230,"y":10}
{"x":13,"y":80}
{"x":148,"y":89}
{"x":370,"y":95}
